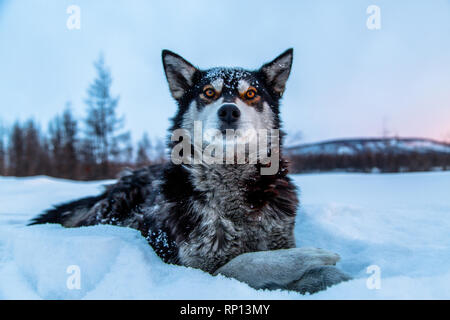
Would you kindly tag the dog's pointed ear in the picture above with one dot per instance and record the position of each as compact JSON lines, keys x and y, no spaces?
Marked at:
{"x":180,"y":73}
{"x":276,"y":72}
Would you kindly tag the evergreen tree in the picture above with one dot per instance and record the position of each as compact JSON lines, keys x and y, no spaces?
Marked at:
{"x":69,"y":145}
{"x":103,"y":126}
{"x":56,"y":146}
{"x":143,"y":151}
{"x":2,"y":152}
{"x":16,"y":151}
{"x":32,"y":149}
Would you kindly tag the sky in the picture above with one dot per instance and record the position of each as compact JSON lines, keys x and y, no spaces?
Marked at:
{"x":347,"y":81}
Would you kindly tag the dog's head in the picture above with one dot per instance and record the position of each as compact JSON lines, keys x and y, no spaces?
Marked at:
{"x":227,"y":98}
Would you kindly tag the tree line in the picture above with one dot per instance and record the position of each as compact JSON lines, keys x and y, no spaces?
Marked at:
{"x":370,"y":162}
{"x":99,"y":148}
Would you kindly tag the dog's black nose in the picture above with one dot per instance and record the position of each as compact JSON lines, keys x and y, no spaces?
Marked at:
{"x":229,"y":113}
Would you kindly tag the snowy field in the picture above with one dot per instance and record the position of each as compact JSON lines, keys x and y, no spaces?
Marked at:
{"x":399,"y":222}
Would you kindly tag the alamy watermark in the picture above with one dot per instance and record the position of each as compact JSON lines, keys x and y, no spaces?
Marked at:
{"x":240,"y":146}
{"x":74,"y":19}
{"x":73,"y":281}
{"x":374,"y":20}
{"x":373,"y":282}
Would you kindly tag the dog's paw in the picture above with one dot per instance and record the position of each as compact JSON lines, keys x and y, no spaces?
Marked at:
{"x":277,"y":269}
{"x":317,"y":279}
{"x":314,"y":256}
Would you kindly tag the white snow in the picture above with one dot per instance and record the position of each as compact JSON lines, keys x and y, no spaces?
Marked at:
{"x":399,"y":222}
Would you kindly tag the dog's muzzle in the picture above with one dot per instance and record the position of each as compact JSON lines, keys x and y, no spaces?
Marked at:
{"x":228,"y":114}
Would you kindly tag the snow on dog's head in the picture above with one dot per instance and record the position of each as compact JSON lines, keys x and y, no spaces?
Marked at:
{"x":224,"y":101}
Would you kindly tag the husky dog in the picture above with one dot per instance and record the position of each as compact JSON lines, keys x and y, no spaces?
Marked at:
{"x":223,"y":218}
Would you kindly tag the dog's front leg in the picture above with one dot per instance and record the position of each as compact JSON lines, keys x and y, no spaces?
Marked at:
{"x":300,"y":269}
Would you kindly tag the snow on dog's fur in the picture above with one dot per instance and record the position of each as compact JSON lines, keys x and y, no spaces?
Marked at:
{"x":221,"y":218}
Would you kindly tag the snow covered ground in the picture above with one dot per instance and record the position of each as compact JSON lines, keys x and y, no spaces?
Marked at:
{"x":399,"y":222}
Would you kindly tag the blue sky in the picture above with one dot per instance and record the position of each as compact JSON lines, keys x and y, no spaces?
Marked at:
{"x":346,"y":80}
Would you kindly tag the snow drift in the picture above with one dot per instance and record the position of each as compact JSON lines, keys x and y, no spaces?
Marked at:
{"x":398,"y":222}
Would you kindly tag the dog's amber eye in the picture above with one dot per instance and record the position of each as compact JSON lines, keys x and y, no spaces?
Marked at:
{"x":250,"y":94}
{"x":209,"y":92}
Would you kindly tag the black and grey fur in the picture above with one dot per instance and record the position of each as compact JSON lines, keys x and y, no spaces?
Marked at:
{"x":215,"y":217}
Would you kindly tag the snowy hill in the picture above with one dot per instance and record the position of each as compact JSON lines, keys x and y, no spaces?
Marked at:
{"x":375,"y":145}
{"x":398,"y":222}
